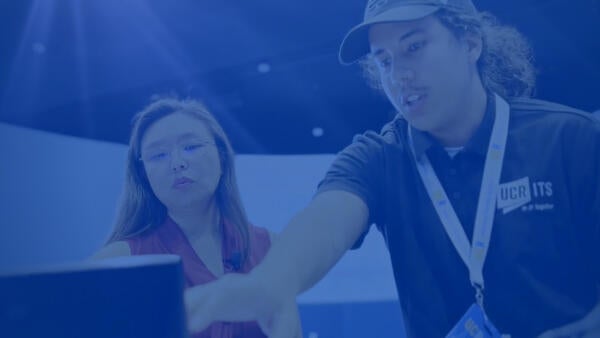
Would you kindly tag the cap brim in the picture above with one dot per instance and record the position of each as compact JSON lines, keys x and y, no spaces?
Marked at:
{"x":356,"y":43}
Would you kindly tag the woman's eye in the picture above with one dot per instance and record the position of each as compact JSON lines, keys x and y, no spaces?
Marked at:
{"x":158,"y":156}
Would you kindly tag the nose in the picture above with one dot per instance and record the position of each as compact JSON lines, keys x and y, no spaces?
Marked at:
{"x":402,"y":75}
{"x":178,"y":162}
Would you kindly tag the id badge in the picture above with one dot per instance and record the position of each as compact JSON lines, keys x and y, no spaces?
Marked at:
{"x":474,"y":324}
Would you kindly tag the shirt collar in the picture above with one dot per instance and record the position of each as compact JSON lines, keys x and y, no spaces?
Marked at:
{"x":478,"y":143}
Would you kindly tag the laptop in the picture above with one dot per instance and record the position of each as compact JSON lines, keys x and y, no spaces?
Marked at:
{"x":123,"y":297}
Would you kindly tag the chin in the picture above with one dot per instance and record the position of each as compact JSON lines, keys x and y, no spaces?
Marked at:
{"x":187,"y":203}
{"x":421,"y":124}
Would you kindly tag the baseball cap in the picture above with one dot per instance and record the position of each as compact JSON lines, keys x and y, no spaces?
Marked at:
{"x":356,"y":42}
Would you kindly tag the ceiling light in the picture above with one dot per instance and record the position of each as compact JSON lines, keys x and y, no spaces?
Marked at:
{"x":263,"y":67}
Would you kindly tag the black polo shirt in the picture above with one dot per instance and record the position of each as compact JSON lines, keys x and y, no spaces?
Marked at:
{"x":542,"y":266}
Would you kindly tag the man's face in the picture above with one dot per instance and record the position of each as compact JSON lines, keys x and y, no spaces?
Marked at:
{"x":426,"y":72}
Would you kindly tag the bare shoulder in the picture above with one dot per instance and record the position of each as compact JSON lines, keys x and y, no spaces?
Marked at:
{"x":114,"y":249}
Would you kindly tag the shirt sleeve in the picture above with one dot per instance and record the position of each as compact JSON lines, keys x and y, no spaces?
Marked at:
{"x":359,"y":170}
{"x":595,"y":200}
{"x":584,"y":158}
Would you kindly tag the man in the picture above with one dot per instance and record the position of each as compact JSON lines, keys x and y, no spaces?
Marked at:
{"x":489,"y":202}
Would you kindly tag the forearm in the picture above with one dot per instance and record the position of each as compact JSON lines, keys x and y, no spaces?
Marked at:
{"x":312,"y":243}
{"x":300,"y":258}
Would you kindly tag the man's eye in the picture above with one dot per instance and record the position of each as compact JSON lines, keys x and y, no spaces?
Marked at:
{"x":413,"y":47}
{"x":192,"y":147}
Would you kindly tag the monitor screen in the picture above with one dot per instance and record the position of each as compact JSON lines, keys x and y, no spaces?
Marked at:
{"x":124,"y":297}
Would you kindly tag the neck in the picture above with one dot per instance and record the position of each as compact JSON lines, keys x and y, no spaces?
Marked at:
{"x":198,"y":221}
{"x":461,"y":128}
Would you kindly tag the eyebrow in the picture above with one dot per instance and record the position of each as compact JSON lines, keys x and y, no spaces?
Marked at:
{"x":188,"y":136}
{"x":402,"y":38}
{"x":183,"y":137}
{"x":154,"y":144}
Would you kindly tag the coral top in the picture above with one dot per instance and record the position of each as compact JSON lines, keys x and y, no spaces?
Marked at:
{"x":170,"y":239}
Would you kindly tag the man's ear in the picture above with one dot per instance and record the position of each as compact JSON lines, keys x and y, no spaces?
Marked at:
{"x":474,"y":44}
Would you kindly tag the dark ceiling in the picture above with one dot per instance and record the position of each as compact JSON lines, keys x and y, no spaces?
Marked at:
{"x":267,"y":69}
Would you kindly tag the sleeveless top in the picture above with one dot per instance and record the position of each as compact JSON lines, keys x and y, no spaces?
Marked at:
{"x":170,"y":239}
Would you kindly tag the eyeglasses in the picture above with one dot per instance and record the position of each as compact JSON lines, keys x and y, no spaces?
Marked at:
{"x":187,"y":150}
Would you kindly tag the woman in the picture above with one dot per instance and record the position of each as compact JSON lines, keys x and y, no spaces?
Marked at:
{"x":181,"y":197}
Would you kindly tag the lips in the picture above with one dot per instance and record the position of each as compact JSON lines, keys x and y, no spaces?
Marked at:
{"x":411,"y":101}
{"x":182,"y":182}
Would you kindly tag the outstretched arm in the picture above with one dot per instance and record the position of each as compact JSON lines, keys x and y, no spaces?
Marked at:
{"x":311,"y":244}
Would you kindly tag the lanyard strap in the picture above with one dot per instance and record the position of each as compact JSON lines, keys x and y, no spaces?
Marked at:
{"x":472,"y":255}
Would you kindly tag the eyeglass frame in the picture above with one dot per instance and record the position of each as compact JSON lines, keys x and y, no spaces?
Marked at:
{"x":179,"y":147}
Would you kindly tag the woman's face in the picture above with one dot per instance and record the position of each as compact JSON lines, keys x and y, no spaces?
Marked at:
{"x":181,"y":160}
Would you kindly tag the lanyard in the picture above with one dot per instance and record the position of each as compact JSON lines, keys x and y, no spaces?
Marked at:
{"x":472,"y":255}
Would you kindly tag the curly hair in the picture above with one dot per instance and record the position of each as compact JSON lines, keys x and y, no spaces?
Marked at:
{"x":506,"y":62}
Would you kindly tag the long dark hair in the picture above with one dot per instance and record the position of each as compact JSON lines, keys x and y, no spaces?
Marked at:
{"x":140,"y":210}
{"x":506,"y":62}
